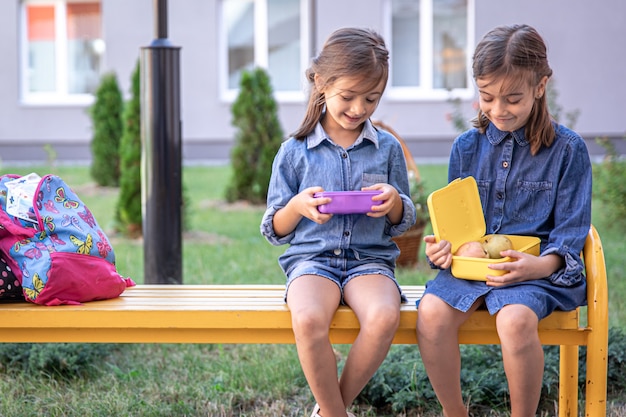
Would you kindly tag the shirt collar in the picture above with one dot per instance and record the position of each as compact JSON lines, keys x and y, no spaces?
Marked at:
{"x":495,"y":135}
{"x":319,"y":135}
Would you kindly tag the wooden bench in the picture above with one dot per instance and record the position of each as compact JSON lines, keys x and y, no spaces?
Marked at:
{"x":257,"y":314}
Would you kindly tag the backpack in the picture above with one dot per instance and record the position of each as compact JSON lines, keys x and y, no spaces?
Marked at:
{"x":10,"y":287}
{"x":53,"y":244}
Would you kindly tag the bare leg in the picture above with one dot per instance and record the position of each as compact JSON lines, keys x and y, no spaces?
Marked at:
{"x":375,"y":300}
{"x":313,"y":301}
{"x":437,"y":334}
{"x":522,"y":356}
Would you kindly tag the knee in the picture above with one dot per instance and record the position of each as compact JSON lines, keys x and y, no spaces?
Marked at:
{"x":309,"y":323}
{"x":381,"y":319}
{"x":435,"y":319}
{"x":517,"y":326}
{"x":428,"y":310}
{"x":431,"y":313}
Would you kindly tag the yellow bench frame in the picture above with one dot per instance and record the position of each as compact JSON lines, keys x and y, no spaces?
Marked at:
{"x":258,"y":314}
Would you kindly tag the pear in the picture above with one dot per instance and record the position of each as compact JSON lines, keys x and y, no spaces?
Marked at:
{"x":473,"y":249}
{"x":495,"y":244}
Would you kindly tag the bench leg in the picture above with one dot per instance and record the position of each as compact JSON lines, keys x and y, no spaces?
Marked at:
{"x":596,"y":378}
{"x":568,"y":381}
{"x":598,"y":323}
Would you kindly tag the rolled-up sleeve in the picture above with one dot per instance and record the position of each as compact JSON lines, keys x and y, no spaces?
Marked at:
{"x":267,"y":228}
{"x":282,"y":187}
{"x":408,"y":217}
{"x":571,"y":273}
{"x":398,"y":177}
{"x":572,"y":214}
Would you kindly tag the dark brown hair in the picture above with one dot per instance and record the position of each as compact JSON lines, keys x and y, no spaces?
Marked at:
{"x":519,"y":54}
{"x":348,"y":52}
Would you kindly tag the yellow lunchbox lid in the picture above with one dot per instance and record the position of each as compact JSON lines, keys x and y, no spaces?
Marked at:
{"x":456,"y":213}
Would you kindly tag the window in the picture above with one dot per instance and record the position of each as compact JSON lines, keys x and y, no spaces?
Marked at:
{"x":430,"y":43}
{"x":62,"y":50}
{"x":272,"y":34}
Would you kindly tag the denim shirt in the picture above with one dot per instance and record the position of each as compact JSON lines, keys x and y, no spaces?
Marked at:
{"x":547,"y":195}
{"x":375,"y":157}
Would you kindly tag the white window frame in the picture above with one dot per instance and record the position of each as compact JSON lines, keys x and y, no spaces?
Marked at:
{"x":261,"y":56}
{"x":61,"y":96}
{"x":426,"y":91}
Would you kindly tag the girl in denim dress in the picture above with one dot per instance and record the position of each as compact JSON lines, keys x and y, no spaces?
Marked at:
{"x":534,"y":179}
{"x":340,"y":258}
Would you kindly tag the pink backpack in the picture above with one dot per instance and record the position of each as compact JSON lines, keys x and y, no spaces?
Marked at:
{"x":57,"y":250}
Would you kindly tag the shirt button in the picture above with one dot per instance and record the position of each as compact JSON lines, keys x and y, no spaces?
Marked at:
{"x":344,"y":155}
{"x":499,"y":196}
{"x":337,"y":252}
{"x":346,"y":233}
{"x":505,"y":164}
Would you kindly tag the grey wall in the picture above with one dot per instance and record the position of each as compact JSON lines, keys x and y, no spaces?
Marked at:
{"x":585,"y":41}
{"x":586,"y":51}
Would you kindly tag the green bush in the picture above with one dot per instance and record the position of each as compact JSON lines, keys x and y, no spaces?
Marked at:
{"x":257,"y":139}
{"x":616,"y":376}
{"x":106,"y":115}
{"x":616,"y":367}
{"x":66,"y":360}
{"x":128,"y":213}
{"x":401,"y":384}
{"x":567,"y":118}
{"x":609,"y":187}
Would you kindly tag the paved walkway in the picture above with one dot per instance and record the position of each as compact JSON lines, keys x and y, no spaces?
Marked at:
{"x":193,"y":153}
{"x":218,"y":152}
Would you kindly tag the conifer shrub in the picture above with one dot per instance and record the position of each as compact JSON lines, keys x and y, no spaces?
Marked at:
{"x":257,"y":138}
{"x":609,"y":187}
{"x":128,"y":212}
{"x":106,"y":115}
{"x":129,"y":217}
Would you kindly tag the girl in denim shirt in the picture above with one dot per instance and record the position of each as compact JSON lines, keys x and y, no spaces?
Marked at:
{"x":534,"y":178}
{"x":334,"y":259}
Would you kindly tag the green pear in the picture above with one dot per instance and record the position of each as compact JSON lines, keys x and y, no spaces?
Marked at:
{"x":495,"y":244}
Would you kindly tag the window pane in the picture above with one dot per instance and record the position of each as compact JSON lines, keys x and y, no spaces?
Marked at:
{"x":405,"y":44}
{"x":239,"y":21}
{"x":84,"y":47}
{"x":41,"y":49}
{"x":450,"y":44}
{"x":284,"y":44}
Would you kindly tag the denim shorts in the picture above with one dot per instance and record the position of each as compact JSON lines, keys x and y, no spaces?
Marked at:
{"x":540,"y":295}
{"x":340,"y":268}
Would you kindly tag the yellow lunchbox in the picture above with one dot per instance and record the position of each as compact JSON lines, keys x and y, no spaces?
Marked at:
{"x":456,"y":215}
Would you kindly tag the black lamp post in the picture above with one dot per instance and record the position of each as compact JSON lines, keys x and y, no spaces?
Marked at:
{"x":161,"y":160}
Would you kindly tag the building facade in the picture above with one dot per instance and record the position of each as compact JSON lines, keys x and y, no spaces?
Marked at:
{"x":55,"y":51}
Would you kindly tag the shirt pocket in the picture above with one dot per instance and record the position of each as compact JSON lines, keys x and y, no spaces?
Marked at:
{"x":371,"y":179}
{"x":532,"y":200}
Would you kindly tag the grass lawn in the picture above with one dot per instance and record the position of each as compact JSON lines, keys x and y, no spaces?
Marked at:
{"x":223,"y":246}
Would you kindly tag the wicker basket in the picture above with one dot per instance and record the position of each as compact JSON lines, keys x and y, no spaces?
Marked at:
{"x":410,"y":241}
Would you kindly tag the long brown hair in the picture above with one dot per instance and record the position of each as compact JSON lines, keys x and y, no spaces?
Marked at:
{"x":519,"y":53}
{"x":352,"y":52}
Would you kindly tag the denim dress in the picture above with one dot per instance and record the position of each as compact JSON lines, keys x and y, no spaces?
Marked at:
{"x":547,"y":195}
{"x":375,"y":157}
